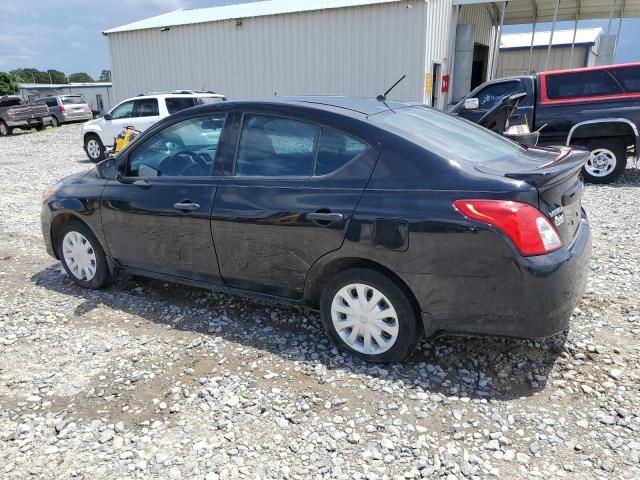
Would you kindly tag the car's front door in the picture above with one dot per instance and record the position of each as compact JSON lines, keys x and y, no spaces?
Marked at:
{"x":156,"y":216}
{"x":289,"y":201}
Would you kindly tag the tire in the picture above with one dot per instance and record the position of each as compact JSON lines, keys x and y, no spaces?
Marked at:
{"x":5,"y":130}
{"x":78,"y":259}
{"x":55,"y":122}
{"x":402,"y":329}
{"x":607,"y":161}
{"x":94,"y":148}
{"x":40,"y":126}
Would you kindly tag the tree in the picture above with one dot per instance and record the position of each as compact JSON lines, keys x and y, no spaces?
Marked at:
{"x":30,"y":75}
{"x":57,"y":76}
{"x":8,"y":85}
{"x":80,"y":77}
{"x":105,"y":76}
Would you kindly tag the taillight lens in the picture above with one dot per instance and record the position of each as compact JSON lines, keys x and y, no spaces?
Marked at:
{"x":11,"y":113}
{"x":528,"y":228}
{"x":61,"y":108}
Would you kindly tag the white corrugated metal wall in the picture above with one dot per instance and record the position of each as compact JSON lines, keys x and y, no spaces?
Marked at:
{"x":479,"y":16}
{"x":345,"y":51}
{"x":516,"y":62}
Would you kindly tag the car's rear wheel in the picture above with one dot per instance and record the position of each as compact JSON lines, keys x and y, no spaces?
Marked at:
{"x":55,"y":122}
{"x":94,"y":148}
{"x":82,"y":256}
{"x":5,"y":130}
{"x":40,"y":126}
{"x":369,"y":316}
{"x":607,"y":160}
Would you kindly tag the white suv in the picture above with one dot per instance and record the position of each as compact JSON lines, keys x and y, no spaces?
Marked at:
{"x":140,"y":113}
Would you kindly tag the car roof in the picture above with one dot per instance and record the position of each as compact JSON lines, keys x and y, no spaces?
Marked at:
{"x":354,"y":106}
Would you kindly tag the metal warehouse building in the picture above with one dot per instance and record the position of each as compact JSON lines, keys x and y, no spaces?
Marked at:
{"x":333,"y":47}
{"x":292,"y":47}
{"x":569,"y":49}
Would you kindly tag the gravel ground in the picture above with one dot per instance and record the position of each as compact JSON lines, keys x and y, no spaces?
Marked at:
{"x":151,"y":380}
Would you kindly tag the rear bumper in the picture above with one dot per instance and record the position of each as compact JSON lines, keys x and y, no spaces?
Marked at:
{"x":30,"y":122}
{"x":75,"y":117}
{"x":534,"y":298}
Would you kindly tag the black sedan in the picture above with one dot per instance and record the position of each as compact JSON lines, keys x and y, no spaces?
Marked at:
{"x":393,"y":220}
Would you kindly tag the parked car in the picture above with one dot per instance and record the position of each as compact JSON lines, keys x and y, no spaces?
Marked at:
{"x":596,"y":107}
{"x":140,"y":113}
{"x":393,"y":220}
{"x":66,"y":108}
{"x":14,"y":113}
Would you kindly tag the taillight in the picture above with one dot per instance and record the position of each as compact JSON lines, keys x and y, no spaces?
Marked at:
{"x":61,"y":108}
{"x":11,"y":113}
{"x":528,"y":228}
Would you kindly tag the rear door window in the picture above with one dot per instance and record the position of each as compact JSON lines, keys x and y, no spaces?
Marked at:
{"x":275,"y":147}
{"x":52,"y":102}
{"x":489,"y":95}
{"x":628,"y":77}
{"x":594,"y":83}
{"x":335,"y":150}
{"x":175,"y":104}
{"x":146,"y":107}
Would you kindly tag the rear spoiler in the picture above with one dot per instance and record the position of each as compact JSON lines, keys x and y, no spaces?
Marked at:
{"x":563,"y":166}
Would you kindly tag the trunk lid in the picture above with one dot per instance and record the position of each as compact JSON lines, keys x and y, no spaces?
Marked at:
{"x":555,"y":173}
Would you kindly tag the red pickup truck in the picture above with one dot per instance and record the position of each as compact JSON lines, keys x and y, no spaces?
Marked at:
{"x":14,"y":113}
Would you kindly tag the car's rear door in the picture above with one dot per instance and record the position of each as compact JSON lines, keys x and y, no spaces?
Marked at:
{"x":287,"y":202}
{"x":156,"y":217}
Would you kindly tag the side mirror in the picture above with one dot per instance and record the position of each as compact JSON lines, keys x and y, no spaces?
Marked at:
{"x":107,"y":116}
{"x":108,"y":169}
{"x":471,"y":104}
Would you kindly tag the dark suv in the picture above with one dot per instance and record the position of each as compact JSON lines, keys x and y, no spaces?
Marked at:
{"x":393,"y":220}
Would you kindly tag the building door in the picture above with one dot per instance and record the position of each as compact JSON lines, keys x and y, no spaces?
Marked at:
{"x":479,"y":68}
{"x":435,"y":90}
{"x":99,"y":103}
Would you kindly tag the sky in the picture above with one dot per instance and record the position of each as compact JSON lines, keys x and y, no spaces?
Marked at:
{"x":67,"y":35}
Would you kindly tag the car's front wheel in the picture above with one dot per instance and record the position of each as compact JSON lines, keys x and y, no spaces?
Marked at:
{"x":368,"y":315}
{"x":94,"y":148}
{"x":82,"y":256}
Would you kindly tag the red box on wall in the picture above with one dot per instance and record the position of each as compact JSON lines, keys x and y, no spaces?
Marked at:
{"x":445,"y":83}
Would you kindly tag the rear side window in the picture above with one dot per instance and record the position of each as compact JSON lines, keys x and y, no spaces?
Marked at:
{"x":593,"y":83}
{"x":275,"y":147}
{"x":52,"y":102}
{"x":490,"y":95}
{"x":179,"y":103}
{"x":146,"y":107}
{"x":72,"y":100}
{"x":336,"y":149}
{"x":628,"y":77}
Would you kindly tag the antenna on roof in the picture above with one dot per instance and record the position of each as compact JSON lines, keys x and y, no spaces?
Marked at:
{"x":383,"y":97}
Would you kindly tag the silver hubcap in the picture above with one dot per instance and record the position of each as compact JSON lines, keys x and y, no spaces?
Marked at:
{"x":601,"y":162}
{"x":93,"y":148}
{"x":364,"y":319}
{"x":79,"y":256}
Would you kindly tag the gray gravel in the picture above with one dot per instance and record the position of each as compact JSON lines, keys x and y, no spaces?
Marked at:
{"x":152,"y":380}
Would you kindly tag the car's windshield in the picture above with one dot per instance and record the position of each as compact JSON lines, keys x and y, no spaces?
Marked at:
{"x":445,"y":135}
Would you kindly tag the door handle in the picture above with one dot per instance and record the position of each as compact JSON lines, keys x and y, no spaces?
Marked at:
{"x":327,"y":217}
{"x":186,"y":206}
